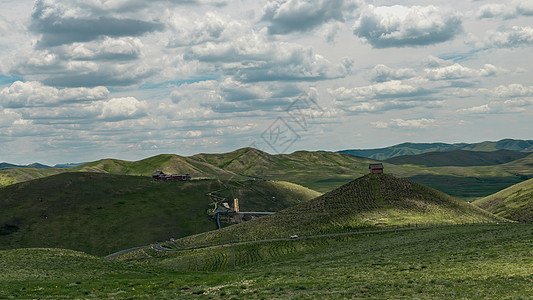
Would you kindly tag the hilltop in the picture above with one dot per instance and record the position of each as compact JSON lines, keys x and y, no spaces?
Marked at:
{"x":369,"y":202}
{"x":419,"y":148}
{"x":101,"y":213}
{"x":320,"y":171}
{"x":168,"y":163}
{"x":514,"y":203}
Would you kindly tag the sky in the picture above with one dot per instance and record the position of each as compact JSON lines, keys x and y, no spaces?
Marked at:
{"x":82,"y":80}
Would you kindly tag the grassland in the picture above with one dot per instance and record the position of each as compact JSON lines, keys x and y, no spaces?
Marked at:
{"x":455,"y":262}
{"x":16,"y":175}
{"x":320,"y":171}
{"x":514,"y":203}
{"x":101,"y":213}
{"x":367,"y":203}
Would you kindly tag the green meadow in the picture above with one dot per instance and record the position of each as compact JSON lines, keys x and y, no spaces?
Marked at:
{"x":455,"y":262}
{"x":319,"y":171}
{"x":101,"y":213}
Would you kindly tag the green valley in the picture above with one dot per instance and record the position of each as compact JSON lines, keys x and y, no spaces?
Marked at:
{"x":101,"y":213}
{"x":514,"y":203}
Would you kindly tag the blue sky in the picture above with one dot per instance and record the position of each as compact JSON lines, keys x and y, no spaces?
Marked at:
{"x":128,"y":79}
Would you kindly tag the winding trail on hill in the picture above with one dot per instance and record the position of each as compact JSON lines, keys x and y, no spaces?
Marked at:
{"x":159,"y":247}
{"x":122,"y":252}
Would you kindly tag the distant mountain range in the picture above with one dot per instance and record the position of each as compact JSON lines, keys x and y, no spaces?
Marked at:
{"x":420,"y":148}
{"x":5,"y":165}
{"x":462,"y":158}
{"x":34,"y":166}
{"x":460,"y":173}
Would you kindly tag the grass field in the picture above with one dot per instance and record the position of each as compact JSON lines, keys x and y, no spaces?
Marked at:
{"x":514,"y":203}
{"x":468,"y":188}
{"x":368,"y":203}
{"x":452,"y":262}
{"x":320,"y":171}
{"x":101,"y":213}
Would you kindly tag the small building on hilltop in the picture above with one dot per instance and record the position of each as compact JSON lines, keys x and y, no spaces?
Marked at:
{"x":159,"y":175}
{"x":376,"y":168}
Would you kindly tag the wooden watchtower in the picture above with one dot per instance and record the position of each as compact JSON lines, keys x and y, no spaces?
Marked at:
{"x":376,"y":168}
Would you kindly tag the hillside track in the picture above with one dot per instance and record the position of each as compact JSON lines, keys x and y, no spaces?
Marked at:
{"x":122,"y":252}
{"x":161,"y":248}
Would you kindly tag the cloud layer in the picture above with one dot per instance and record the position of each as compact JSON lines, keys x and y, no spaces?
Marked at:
{"x":81,"y":80}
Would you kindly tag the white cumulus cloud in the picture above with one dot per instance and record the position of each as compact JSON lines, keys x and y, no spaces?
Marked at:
{"x":401,"y":123}
{"x":517,"y":36}
{"x":289,"y":16}
{"x":508,"y":10}
{"x":457,"y":71}
{"x":394,"y":88}
{"x":117,"y":109}
{"x":32,"y":93}
{"x":402,"y":26}
{"x":382,"y":73}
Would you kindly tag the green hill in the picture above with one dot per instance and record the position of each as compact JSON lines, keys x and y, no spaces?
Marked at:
{"x":369,"y":202}
{"x":455,"y":262}
{"x":16,"y":175}
{"x":101,"y":213}
{"x":168,"y":163}
{"x":459,"y":158}
{"x":514,"y":203}
{"x":321,"y":171}
{"x":419,"y":148}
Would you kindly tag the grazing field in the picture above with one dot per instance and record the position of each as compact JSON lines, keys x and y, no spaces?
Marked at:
{"x":468,"y":188}
{"x":514,"y":203}
{"x":455,"y":262}
{"x":367,"y":203}
{"x":320,"y":171}
{"x":102,"y":213}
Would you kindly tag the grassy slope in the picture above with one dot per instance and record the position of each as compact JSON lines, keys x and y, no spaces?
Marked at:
{"x":369,"y":202}
{"x":514,"y":203}
{"x":16,"y":175}
{"x":168,"y":163}
{"x":102,"y":213}
{"x":459,"y":158}
{"x":469,"y":183}
{"x":321,"y":171}
{"x":458,"y":262}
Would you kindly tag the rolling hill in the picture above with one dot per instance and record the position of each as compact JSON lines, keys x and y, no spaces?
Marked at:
{"x":458,"y":158}
{"x":168,"y":163}
{"x":101,"y":213}
{"x":320,"y":171}
{"x":34,"y":166}
{"x":369,"y":202}
{"x":419,"y":148}
{"x":455,"y":262}
{"x":514,"y":203}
